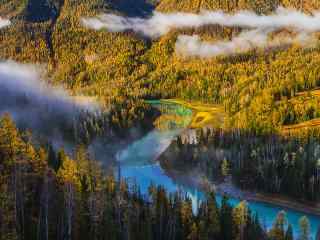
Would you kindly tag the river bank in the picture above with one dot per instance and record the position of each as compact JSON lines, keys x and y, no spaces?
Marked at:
{"x":146,"y":162}
{"x":228,"y":188}
{"x":203,"y":114}
{"x":196,"y":180}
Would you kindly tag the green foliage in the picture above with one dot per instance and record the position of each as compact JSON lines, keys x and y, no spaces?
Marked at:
{"x":225,"y":168}
{"x":268,"y":163}
{"x":278,"y":230}
{"x":259,"y":6}
{"x":79,"y":201}
{"x":25,"y":42}
{"x":258,"y":89}
{"x":304,"y":228}
{"x":12,"y":7}
{"x":289,"y":233}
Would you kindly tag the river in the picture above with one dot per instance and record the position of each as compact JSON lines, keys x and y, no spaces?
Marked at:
{"x":139,"y":164}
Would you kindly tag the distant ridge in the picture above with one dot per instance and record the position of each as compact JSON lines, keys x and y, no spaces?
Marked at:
{"x":31,"y":10}
{"x":231,"y":6}
{"x":186,"y":5}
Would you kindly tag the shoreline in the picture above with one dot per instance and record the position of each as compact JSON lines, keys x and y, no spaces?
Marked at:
{"x":228,"y":188}
{"x":287,"y":203}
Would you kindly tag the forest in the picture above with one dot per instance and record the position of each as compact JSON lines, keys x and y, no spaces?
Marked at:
{"x":268,"y":140}
{"x":49,"y":195}
{"x":270,"y":164}
{"x":261,"y":90}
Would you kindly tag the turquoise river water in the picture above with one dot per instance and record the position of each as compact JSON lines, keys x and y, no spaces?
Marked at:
{"x":139,"y":164}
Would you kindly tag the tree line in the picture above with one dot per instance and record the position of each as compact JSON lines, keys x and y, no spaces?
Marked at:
{"x":258,"y":89}
{"x":49,"y":195}
{"x":267,"y":163}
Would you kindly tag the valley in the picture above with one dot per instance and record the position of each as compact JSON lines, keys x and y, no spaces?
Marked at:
{"x":159,"y":120}
{"x":139,"y":163}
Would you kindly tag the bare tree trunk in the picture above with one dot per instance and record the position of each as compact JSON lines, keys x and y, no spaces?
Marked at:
{"x":70,"y":210}
{"x":43,"y":228}
{"x":14,"y":180}
{"x":69,"y":202}
{"x":20,"y":189}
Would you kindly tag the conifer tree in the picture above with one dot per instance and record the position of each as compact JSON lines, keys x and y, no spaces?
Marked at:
{"x":278,"y":229}
{"x":240,"y":218}
{"x":226,"y":219}
{"x":304,"y":224}
{"x":289,"y":233}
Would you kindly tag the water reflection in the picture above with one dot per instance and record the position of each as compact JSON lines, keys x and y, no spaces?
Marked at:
{"x":139,"y":165}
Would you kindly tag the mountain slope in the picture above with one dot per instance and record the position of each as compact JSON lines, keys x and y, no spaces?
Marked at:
{"x":259,"y":6}
{"x":133,"y":8}
{"x":12,"y":8}
{"x":254,"y":88}
{"x":229,"y":6}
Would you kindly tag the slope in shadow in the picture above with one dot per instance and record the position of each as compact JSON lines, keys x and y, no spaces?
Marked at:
{"x":41,"y":10}
{"x":134,"y":8}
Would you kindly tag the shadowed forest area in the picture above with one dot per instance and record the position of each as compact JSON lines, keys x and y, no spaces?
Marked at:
{"x":254,"y":119}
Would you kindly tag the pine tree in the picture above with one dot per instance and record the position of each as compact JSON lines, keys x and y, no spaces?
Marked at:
{"x":304,"y":228}
{"x":240,"y":217}
{"x":53,"y":161}
{"x":10,"y":159}
{"x":225,"y":168}
{"x":68,"y":176}
{"x":194,"y":232}
{"x":289,"y":233}
{"x":213,"y":217}
{"x":226,"y":219}
{"x":278,"y":229}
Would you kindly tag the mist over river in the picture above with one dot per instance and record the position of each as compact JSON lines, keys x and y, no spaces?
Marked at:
{"x":138,"y":164}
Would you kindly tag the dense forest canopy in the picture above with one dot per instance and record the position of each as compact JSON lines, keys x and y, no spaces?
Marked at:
{"x":49,"y":195}
{"x":261,"y":93}
{"x":259,"y":89}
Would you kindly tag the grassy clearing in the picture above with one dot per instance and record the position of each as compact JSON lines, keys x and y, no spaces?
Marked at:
{"x":312,"y":93}
{"x":203,"y":114}
{"x":305,"y":96}
{"x":307,"y":125}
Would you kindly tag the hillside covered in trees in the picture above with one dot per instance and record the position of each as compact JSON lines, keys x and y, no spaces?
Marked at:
{"x":267,"y":99}
{"x":268,"y":164}
{"x":48,"y":195}
{"x":259,"y":89}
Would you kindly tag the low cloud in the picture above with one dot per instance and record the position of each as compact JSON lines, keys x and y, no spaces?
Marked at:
{"x":257,"y":33}
{"x":192,"y":46}
{"x":32,"y":103}
{"x":4,"y":22}
{"x":161,"y":23}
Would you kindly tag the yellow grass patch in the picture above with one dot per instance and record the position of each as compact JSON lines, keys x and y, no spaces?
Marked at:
{"x":312,"y":93}
{"x":203,"y":114}
{"x":307,"y":125}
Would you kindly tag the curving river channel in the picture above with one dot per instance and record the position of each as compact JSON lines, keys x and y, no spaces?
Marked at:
{"x":139,"y":164}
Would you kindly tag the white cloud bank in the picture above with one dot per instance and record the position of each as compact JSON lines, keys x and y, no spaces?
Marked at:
{"x":192,"y":46}
{"x":33,"y":103}
{"x":161,"y":23}
{"x":256,"y":36}
{"x":4,"y":22}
